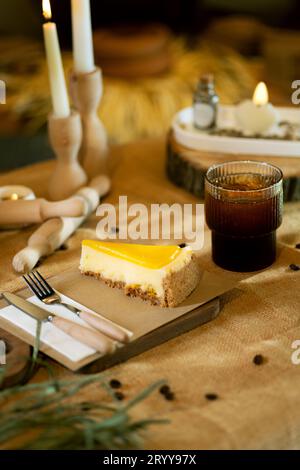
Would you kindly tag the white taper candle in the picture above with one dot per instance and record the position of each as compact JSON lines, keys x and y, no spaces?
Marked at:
{"x":83,"y":51}
{"x":60,"y":99}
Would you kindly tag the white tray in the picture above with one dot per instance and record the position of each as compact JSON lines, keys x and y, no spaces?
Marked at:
{"x":187,"y":135}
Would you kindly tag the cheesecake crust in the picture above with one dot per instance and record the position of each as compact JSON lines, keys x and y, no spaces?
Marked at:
{"x":180,"y":284}
{"x":177,"y":285}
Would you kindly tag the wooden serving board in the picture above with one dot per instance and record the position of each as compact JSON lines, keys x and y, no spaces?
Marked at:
{"x":187,"y":168}
{"x":150,"y":325}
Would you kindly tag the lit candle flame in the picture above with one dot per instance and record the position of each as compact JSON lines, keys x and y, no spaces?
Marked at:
{"x":261,"y":95}
{"x":47,"y":9}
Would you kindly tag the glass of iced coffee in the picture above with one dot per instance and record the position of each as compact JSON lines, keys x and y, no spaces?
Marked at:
{"x":243,"y":208}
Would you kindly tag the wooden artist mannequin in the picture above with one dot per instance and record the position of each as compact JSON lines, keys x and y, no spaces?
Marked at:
{"x":22,"y":212}
{"x":53,"y":233}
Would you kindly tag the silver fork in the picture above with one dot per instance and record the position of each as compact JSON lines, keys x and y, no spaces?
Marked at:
{"x":42,"y":289}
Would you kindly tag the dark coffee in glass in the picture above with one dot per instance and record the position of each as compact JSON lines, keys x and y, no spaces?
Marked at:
{"x":243,"y":208}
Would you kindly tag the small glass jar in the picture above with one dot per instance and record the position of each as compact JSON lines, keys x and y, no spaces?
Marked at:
{"x":205,"y":103}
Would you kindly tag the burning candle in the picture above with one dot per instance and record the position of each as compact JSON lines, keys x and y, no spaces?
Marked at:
{"x":82,"y":37}
{"x":60,"y":99}
{"x":257,"y":116}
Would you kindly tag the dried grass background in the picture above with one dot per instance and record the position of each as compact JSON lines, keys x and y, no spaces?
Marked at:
{"x":130,"y":109}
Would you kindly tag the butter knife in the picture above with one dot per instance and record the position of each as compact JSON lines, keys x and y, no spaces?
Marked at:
{"x":94,"y":339}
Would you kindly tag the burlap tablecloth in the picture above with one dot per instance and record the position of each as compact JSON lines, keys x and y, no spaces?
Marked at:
{"x":258,"y":406}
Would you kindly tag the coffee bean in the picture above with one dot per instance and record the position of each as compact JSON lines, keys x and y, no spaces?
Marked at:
{"x":294,"y":267}
{"x":114,"y":383}
{"x":298,"y":246}
{"x":211,"y":396}
{"x":164,"y":389}
{"x":119,"y":396}
{"x":169,"y":396}
{"x":63,"y":247}
{"x":258,"y":360}
{"x":182,"y":245}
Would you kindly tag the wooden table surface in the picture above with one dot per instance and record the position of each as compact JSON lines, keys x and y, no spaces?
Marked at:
{"x":257,"y":406}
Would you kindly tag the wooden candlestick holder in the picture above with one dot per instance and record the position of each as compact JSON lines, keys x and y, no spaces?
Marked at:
{"x":86,"y":91}
{"x":65,"y":135}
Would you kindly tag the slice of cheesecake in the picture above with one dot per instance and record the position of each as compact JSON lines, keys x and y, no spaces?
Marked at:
{"x":164,"y":275}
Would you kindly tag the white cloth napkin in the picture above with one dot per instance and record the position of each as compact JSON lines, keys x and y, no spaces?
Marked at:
{"x":50,"y":334}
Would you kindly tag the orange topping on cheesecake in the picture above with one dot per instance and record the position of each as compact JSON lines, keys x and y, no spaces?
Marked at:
{"x":148,"y":256}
